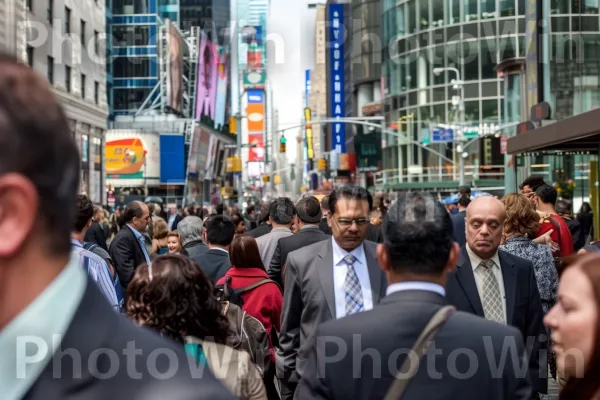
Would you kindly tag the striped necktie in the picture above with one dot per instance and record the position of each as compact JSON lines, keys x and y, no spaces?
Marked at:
{"x":354,"y":297}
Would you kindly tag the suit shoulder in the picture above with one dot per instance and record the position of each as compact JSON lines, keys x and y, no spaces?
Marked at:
{"x":516,"y":260}
{"x":480,"y":326}
{"x":311,"y":249}
{"x":370,"y":245}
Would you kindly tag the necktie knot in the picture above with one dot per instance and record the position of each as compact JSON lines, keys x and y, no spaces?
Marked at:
{"x":487,"y":264}
{"x":350,"y":259}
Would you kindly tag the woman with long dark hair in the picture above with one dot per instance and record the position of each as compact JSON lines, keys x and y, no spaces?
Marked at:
{"x":173,"y":296}
{"x":575,"y":325}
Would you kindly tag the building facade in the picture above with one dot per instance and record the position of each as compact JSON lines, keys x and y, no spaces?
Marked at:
{"x":317,"y":97}
{"x":213,"y":16}
{"x":62,"y":40}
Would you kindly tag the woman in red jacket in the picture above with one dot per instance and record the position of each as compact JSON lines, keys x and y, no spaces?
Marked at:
{"x":263,"y":302}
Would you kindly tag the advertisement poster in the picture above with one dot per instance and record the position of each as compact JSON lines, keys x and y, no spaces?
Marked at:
{"x":256,"y":153}
{"x":336,"y":75}
{"x":85,"y":149}
{"x":256,"y":110}
{"x":132,"y":155}
{"x":204,"y":145}
{"x":208,"y":60}
{"x":221,"y":100}
{"x":175,"y":84}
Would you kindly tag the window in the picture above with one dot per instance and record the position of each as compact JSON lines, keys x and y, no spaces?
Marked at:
{"x":82,"y":32}
{"x":30,"y":53}
{"x":68,"y":78}
{"x":437,"y":13}
{"x":470,"y":10}
{"x":83,"y":83}
{"x":488,"y":9}
{"x":96,"y":43}
{"x":131,"y":67}
{"x":507,"y":8}
{"x":453,"y":16}
{"x":50,"y":71}
{"x":126,"y":35}
{"x":470,"y":60}
{"x":489,"y":58}
{"x":424,"y":15}
{"x":30,"y":5}
{"x":50,"y":11}
{"x":412,"y":17}
{"x":97,"y":92}
{"x":67,"y":20}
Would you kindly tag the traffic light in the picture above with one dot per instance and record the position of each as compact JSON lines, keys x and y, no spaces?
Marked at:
{"x":282,"y":143}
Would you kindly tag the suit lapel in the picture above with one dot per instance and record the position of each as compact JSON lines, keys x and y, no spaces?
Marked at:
{"x":325,"y":267}
{"x":375,"y":273}
{"x":510,"y":284}
{"x":466,"y":279}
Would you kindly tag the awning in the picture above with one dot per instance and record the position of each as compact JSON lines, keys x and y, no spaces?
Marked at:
{"x":578,"y":133}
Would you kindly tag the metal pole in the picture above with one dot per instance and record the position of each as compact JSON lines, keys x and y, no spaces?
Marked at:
{"x":240,"y":187}
{"x":461,"y":110}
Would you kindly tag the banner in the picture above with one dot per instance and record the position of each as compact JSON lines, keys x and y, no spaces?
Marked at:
{"x":132,"y":155}
{"x":221,"y":100}
{"x":175,"y":68}
{"x":208,"y":60}
{"x":255,"y":110}
{"x":256,"y":153}
{"x":307,"y":86}
{"x":254,"y":79}
{"x":336,"y":75}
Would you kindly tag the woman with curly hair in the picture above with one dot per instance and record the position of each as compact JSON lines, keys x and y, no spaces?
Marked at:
{"x":173,"y":296}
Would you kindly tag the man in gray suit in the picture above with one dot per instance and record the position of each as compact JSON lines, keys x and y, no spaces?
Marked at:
{"x":358,"y":357}
{"x":281,"y":215}
{"x":328,"y":280}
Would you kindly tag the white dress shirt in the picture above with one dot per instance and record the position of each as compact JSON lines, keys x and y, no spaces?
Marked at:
{"x":475,"y":261}
{"x":47,"y":316}
{"x":340,"y":268}
{"x":416,"y":285}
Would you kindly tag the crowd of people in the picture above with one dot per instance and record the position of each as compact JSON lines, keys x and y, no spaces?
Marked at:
{"x":348,"y":297}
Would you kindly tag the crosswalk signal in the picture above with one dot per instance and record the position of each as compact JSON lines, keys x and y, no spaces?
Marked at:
{"x":282,"y":143}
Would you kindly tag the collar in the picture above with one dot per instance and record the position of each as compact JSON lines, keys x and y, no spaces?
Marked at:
{"x":76,"y":243}
{"x":281,"y":229}
{"x":247,"y":273}
{"x":476,"y":260}
{"x":426,"y":286}
{"x":193,"y":243}
{"x":339,"y":253}
{"x":219,"y":249}
{"x":135,"y":232}
{"x":48,"y":315}
{"x":307,"y":227}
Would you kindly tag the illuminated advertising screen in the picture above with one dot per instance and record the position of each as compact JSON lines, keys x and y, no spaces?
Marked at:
{"x":208,"y":62}
{"x":255,"y":110}
{"x":256,"y":153}
{"x":221,"y":100}
{"x":132,"y":155}
{"x":175,"y":69}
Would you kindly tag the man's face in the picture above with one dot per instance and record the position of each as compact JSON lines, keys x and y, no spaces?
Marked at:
{"x":484,"y":227}
{"x":141,"y":224}
{"x":172,"y":209}
{"x":349,"y":223}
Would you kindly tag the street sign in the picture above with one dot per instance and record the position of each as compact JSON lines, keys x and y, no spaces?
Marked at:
{"x":234,"y":146}
{"x":425,"y":141}
{"x":471,"y":133}
{"x":439,"y":135}
{"x":503,"y":144}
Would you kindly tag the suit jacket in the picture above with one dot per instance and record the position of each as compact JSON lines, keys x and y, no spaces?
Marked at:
{"x":395,"y":324}
{"x":96,"y":327}
{"x":260,"y":231}
{"x":196,"y":249}
{"x":215,"y":264}
{"x":458,"y":226}
{"x":324,"y":227}
{"x":374,"y":234}
{"x":95,"y":234}
{"x":523,"y":306}
{"x":127,"y":254}
{"x":309,"y":300}
{"x":178,"y":219}
{"x":285,"y":246}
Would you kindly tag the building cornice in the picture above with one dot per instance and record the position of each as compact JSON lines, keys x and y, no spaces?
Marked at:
{"x":82,"y":110}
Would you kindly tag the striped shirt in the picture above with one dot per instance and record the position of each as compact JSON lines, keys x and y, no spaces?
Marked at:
{"x":97,"y":269}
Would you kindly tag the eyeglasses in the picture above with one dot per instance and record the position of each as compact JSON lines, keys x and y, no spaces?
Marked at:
{"x":349,"y":222}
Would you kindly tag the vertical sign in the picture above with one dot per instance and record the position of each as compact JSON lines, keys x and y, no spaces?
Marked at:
{"x":309,"y":135}
{"x":307,"y":86}
{"x":336,"y":75}
{"x":531,"y":63}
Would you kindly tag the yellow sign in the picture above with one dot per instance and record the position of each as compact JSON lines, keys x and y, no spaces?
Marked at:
{"x":233,"y":125}
{"x":226,"y":192}
{"x":309,"y":134}
{"x":266,"y":178}
{"x":233,"y":164}
{"x":277,"y":180}
{"x":322,"y":164}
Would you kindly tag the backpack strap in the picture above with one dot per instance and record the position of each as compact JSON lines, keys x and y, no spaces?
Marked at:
{"x":257,"y":284}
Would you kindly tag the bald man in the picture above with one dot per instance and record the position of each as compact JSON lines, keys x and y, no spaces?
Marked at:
{"x":499,"y":286}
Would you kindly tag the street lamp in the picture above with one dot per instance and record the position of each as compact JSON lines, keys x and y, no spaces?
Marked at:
{"x":459,"y":85}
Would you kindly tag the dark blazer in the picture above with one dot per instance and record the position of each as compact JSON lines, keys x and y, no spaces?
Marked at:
{"x":127,"y":254}
{"x":95,"y":234}
{"x":395,"y":324}
{"x":96,"y":327}
{"x":306,"y":236}
{"x":261,"y":230}
{"x":309,"y":300}
{"x":215,"y":263}
{"x":324,"y":227}
{"x":523,"y":306}
{"x":458,"y":226}
{"x":196,"y":249}
{"x":178,"y":219}
{"x":374,"y":234}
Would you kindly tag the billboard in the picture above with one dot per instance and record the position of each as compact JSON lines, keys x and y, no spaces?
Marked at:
{"x":172,"y":166}
{"x":199,"y":152}
{"x":221,"y":98}
{"x":256,"y":153}
{"x":336,"y":75}
{"x":252,"y":34}
{"x":174,"y":68}
{"x":208,"y":64}
{"x":254,"y":79}
{"x":255,"y":110}
{"x":132,"y":155}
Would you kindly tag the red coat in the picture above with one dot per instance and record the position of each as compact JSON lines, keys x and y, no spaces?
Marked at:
{"x":264,"y":302}
{"x":565,"y":242}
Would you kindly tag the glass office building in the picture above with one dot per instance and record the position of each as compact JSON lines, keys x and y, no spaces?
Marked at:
{"x":475,"y":36}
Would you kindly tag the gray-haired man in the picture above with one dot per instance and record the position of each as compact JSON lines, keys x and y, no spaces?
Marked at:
{"x":190,"y":231}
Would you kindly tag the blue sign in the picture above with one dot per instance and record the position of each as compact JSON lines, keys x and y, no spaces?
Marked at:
{"x":439,"y":135}
{"x":307,"y":85}
{"x":172,"y":165}
{"x":336,"y":75}
{"x":256,"y":96}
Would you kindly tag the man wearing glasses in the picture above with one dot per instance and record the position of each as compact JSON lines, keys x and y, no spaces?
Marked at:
{"x":328,"y":280}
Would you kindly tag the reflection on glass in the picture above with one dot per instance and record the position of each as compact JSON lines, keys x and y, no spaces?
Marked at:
{"x":453,"y":14}
{"x":489,"y":58}
{"x":400,"y":20}
{"x":412,"y":17}
{"x":470,"y":60}
{"x":470,"y":10}
{"x":488,"y":9}
{"x":437,"y":13}
{"x":559,"y":7}
{"x":590,"y":6}
{"x":507,"y":48}
{"x":424,"y":14}
{"x":507,"y":8}
{"x":472,"y":111}
{"x":489,"y":110}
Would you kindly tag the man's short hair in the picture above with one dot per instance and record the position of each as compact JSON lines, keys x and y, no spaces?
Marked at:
{"x":133,"y":210}
{"x":36,"y":142}
{"x":350,"y":192}
{"x":85,"y":212}
{"x":219,"y":230}
{"x":263,"y":215}
{"x":418,"y":237}
{"x":190,"y":229}
{"x":309,"y":210}
{"x":464,"y":201}
{"x":464,"y":190}
{"x":534,"y":182}
{"x":282,"y":211}
{"x":547,"y":194}
{"x":325,"y":203}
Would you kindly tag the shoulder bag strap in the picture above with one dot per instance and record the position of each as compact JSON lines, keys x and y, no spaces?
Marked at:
{"x":556,"y":226}
{"x":257,"y":284}
{"x":408,"y":369}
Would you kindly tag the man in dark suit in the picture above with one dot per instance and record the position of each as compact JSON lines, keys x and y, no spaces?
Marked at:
{"x":458,"y":220}
{"x":95,"y":234}
{"x":219,"y":235}
{"x":499,"y":286}
{"x":328,"y":280}
{"x":44,"y":294}
{"x":174,"y":217}
{"x":192,"y":236}
{"x":323,"y":224}
{"x":417,"y":255}
{"x":128,"y":248}
{"x":309,"y":215}
{"x":264,"y":226}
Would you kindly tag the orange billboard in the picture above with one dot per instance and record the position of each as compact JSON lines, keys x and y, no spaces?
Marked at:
{"x":255,"y":111}
{"x":125,"y":158}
